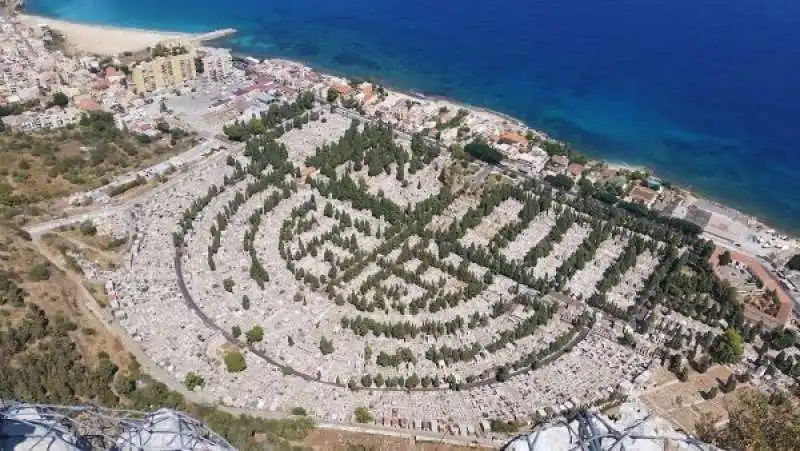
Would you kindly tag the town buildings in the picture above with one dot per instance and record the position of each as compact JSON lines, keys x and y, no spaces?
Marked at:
{"x":165,"y":71}
{"x":217,"y":64}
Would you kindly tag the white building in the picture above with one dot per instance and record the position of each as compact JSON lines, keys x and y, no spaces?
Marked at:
{"x":217,"y":64}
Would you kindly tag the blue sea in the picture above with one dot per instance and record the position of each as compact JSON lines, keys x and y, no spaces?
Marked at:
{"x":704,"y":92}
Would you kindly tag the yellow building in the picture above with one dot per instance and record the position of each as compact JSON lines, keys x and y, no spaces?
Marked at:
{"x":163,"y":72}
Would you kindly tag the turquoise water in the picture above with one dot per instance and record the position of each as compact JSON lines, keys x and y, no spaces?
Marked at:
{"x":702,"y":92}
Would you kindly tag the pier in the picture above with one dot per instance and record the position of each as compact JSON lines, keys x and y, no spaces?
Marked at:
{"x":212,"y":35}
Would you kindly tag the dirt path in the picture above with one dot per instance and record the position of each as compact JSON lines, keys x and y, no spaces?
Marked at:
{"x":91,"y":311}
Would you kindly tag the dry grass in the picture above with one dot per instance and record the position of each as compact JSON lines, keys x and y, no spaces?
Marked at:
{"x":336,"y":440}
{"x":60,"y":294}
{"x":681,"y":403}
{"x":40,"y":169}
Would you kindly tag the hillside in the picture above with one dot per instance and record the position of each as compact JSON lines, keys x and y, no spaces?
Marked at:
{"x":55,"y":351}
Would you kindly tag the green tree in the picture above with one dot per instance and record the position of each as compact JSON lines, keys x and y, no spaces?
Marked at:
{"x":254,"y":335}
{"x":727,"y":347}
{"x":332,"y":95}
{"x":366,"y":380}
{"x":561,"y":182}
{"x":236,"y":331}
{"x":483,"y":151}
{"x":325,"y":345}
{"x":256,"y":127}
{"x":725,"y":258}
{"x":363,"y":415}
{"x":234,"y":362}
{"x":60,"y":99}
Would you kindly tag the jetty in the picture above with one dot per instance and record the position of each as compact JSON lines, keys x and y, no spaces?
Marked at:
{"x":212,"y":35}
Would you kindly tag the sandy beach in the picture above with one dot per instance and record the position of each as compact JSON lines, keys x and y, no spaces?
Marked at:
{"x":104,"y":40}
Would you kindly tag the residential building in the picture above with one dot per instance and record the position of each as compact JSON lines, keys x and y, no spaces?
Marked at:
{"x":643,"y":195}
{"x":163,"y":72}
{"x":575,"y":170}
{"x":217,"y":64}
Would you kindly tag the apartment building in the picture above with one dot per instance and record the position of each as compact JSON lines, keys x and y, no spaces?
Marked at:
{"x":217,"y":64}
{"x":164,"y":72}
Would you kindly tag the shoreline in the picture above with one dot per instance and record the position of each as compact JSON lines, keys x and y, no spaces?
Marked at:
{"x":85,"y":38}
{"x":112,"y":40}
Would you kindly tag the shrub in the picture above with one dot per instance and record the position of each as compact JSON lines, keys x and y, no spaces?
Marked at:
{"x":88,"y":228}
{"x":234,"y":362}
{"x":363,"y":415}
{"x":794,"y":263}
{"x":228,"y":284}
{"x":255,"y":334}
{"x":193,"y":380}
{"x":39,"y":272}
{"x":325,"y":346}
{"x":299,"y":411}
{"x":504,"y":427}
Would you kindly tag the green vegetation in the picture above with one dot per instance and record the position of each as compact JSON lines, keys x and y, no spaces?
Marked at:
{"x":756,"y":422}
{"x":727,"y":348}
{"x":325,"y":346}
{"x":60,"y":99}
{"x":122,"y":188}
{"x":254,"y":335}
{"x":299,"y":411}
{"x":193,"y":380}
{"x":56,"y":163}
{"x":162,"y":50}
{"x":483,"y":151}
{"x":794,"y":263}
{"x":561,"y":182}
{"x":44,"y":361}
{"x":503,"y":427}
{"x":363,"y":415}
{"x":13,"y":109}
{"x":234,"y":362}
{"x":39,"y":272}
{"x":277,"y":119}
{"x":88,"y":228}
{"x":371,"y":148}
{"x":454,"y":122}
{"x":332,"y":95}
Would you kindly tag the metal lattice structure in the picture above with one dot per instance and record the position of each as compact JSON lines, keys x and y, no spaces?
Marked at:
{"x":591,"y":431}
{"x":34,"y":427}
